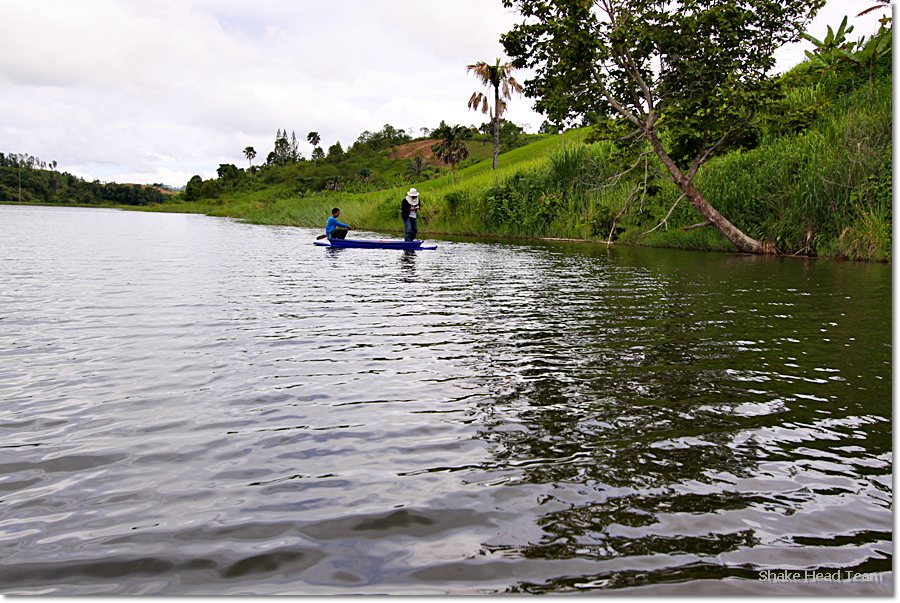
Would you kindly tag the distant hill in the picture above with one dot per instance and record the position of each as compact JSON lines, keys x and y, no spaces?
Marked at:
{"x":165,"y":190}
{"x":31,"y":184}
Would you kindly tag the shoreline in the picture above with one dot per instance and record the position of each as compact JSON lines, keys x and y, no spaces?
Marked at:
{"x":162,"y":208}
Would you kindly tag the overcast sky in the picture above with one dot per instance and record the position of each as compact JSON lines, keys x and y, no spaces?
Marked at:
{"x":159,"y":90}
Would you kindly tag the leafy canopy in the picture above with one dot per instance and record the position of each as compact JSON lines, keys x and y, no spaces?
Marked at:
{"x":695,"y":68}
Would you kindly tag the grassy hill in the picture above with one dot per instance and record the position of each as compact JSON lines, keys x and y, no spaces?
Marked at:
{"x":819,"y":182}
{"x":379,"y":210}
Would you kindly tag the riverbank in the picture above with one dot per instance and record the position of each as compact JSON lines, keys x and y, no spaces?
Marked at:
{"x":815,"y":181}
{"x":818,"y":183}
{"x":79,"y":205}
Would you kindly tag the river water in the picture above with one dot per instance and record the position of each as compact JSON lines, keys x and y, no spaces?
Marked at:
{"x":191,"y":405}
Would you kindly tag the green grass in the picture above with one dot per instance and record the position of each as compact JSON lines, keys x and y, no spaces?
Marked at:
{"x":379,"y":210}
{"x":822,"y":187}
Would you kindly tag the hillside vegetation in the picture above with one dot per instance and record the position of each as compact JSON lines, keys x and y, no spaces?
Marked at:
{"x":816,"y":181}
{"x":813,"y":177}
{"x":27,"y":179}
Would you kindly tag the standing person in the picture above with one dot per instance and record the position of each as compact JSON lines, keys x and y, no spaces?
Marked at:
{"x":334,"y":228}
{"x":409,"y":211}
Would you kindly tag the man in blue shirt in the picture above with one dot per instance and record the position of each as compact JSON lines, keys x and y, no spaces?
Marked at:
{"x":334,"y":228}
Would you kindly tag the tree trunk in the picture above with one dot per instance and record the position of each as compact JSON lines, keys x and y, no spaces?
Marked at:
{"x":496,"y":125}
{"x":732,"y":233}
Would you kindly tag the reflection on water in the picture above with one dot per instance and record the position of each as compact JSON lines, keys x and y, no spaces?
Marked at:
{"x":191,"y":405}
{"x":722,"y":418}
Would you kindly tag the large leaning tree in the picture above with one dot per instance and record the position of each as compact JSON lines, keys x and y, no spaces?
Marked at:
{"x":686,"y":76}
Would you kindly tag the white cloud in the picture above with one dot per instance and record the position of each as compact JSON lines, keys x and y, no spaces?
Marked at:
{"x":131,"y":89}
{"x":159,"y":90}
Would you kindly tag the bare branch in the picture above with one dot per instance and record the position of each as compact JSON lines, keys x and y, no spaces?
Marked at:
{"x":624,"y":112}
{"x":631,"y":196}
{"x":621,"y":213}
{"x":616,"y":178}
{"x":644,"y":194}
{"x":627,"y":61}
{"x":639,"y":80}
{"x":695,"y":165}
{"x":668,"y":215}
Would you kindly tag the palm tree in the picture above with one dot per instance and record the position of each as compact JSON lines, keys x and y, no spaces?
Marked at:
{"x":498,"y":78}
{"x":416,"y":166}
{"x":314,"y":139}
{"x":452,"y":146}
{"x":250,"y":153}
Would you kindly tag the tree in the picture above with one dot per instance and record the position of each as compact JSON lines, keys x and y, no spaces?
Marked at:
{"x":684,"y":77}
{"x":486,"y":132}
{"x":294,"y":148}
{"x":228,"y":173}
{"x":250,"y":153}
{"x":364,"y":138}
{"x":314,"y":139}
{"x":548,"y":128}
{"x":192,"y":188}
{"x":416,"y":166}
{"x":496,"y":77}
{"x":391,"y":136}
{"x":452,"y":146}
{"x":282,"y":148}
{"x":336,"y":151}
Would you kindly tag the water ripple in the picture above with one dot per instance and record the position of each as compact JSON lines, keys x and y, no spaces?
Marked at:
{"x":197,"y":406}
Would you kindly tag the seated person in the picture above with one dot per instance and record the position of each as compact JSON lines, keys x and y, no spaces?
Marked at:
{"x":334,"y":228}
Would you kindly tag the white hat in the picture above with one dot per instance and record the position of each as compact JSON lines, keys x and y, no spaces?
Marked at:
{"x":412,"y":193}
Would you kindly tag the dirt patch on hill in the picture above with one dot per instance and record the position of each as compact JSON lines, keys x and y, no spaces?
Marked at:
{"x":165,"y":191}
{"x":418,"y":147}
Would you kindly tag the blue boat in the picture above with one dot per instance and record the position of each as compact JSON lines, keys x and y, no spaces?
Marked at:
{"x":373,"y":244}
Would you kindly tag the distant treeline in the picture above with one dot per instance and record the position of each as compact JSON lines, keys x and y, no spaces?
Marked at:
{"x":26,"y":178}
